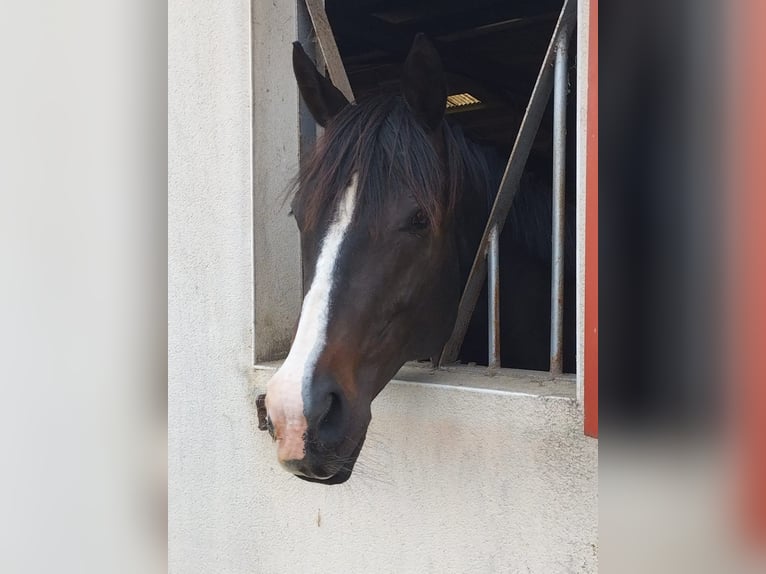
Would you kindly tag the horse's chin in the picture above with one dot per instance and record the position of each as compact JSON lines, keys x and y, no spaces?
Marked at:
{"x":344,"y":473}
{"x":338,"y":478}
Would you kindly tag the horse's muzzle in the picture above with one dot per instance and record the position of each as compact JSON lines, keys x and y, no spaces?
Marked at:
{"x":321,"y":462}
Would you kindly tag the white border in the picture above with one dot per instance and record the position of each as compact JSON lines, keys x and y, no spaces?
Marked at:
{"x":583,"y":29}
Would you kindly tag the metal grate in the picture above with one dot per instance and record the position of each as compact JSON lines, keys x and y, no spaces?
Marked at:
{"x":552,"y":76}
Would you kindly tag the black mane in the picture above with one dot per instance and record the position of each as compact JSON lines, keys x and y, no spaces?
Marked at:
{"x":380,"y":141}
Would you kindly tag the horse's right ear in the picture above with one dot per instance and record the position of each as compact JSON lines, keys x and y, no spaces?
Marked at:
{"x":323,"y":100}
{"x":423,"y":85}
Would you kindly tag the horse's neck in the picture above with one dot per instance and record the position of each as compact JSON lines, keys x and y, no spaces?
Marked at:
{"x":476,"y":203}
{"x":528,"y":223}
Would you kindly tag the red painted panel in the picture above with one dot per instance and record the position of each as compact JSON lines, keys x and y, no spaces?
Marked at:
{"x":591,"y":233}
{"x":747,"y":264}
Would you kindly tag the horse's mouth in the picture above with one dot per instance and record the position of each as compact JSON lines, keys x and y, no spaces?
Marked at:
{"x":339,"y":478}
{"x":342,"y":474}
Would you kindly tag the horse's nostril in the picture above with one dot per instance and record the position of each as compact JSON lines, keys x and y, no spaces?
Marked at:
{"x":330,"y":421}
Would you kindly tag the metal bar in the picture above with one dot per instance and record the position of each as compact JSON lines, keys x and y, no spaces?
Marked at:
{"x":494,"y":299}
{"x":559,"y":184}
{"x":329,"y":48}
{"x":510,"y":182}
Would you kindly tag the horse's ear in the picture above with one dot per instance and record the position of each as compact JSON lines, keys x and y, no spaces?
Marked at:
{"x":423,"y":85}
{"x":323,"y":100}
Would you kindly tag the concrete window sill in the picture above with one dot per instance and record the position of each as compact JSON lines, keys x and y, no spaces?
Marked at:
{"x":514,"y":382}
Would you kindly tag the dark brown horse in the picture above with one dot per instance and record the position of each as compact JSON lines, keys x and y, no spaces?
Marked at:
{"x":390,"y":207}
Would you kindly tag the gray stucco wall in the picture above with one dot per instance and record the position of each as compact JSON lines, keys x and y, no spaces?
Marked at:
{"x":211,"y":468}
{"x":451,"y":480}
{"x":276,"y":153}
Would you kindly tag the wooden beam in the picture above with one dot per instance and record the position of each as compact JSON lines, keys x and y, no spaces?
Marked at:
{"x":329,"y":48}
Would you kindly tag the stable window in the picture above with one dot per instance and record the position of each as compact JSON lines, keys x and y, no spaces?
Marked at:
{"x":492,"y":53}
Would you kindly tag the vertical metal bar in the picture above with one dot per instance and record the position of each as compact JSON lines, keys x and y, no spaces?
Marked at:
{"x":557,"y":239}
{"x":493,"y":264}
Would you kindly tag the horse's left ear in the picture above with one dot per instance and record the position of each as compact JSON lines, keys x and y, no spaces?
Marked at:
{"x":423,"y":85}
{"x":322,"y":98}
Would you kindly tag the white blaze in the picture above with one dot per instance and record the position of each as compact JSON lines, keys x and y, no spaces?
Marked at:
{"x":284,"y":394}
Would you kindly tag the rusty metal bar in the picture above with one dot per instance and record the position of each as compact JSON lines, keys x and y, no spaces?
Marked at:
{"x":510,"y":182}
{"x":559,"y":185}
{"x":329,"y":48}
{"x":493,"y":262}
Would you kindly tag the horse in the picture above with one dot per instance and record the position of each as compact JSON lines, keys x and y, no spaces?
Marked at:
{"x":390,"y":207}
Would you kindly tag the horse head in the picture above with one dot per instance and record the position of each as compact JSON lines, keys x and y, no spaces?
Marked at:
{"x":375,"y":206}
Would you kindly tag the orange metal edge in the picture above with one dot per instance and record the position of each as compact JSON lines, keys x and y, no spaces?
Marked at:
{"x":591,"y":233}
{"x":747,"y":267}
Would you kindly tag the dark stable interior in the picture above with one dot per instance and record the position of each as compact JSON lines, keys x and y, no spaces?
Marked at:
{"x":490,"y":49}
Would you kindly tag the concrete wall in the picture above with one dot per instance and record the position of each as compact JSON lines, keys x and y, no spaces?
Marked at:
{"x":453,"y":479}
{"x":276,"y":155}
{"x":213,"y":517}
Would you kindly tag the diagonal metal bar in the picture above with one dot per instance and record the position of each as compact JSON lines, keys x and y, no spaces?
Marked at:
{"x":509,"y":185}
{"x":329,"y":48}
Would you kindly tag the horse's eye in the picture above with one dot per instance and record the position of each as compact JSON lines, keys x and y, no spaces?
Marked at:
{"x":419,"y":220}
